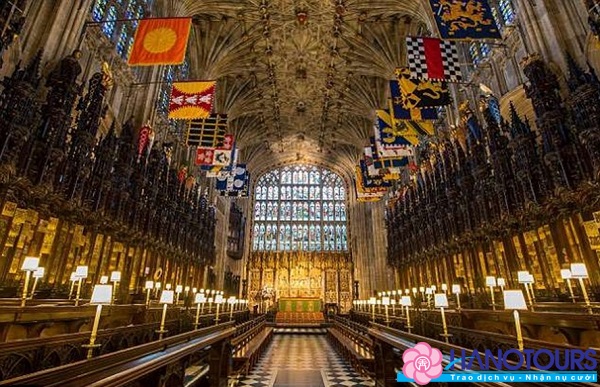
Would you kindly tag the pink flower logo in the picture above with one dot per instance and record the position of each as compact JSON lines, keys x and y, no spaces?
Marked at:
{"x":422,"y":363}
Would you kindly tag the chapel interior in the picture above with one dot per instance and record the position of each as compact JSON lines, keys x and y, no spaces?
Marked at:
{"x":294,"y":192}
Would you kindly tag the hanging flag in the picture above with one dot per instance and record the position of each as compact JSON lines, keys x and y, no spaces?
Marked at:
{"x":207,"y":132}
{"x":191,"y":100}
{"x":412,"y":93}
{"x":465,"y":19}
{"x":387,"y":126}
{"x":434,"y":59}
{"x":219,"y":156}
{"x":390,"y":142}
{"x":236,"y":185}
{"x":387,"y":165}
{"x":160,"y":42}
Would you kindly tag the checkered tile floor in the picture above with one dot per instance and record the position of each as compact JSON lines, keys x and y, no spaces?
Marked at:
{"x":304,"y":352}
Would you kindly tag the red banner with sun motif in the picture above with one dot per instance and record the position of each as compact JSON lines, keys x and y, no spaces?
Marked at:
{"x":160,"y":42}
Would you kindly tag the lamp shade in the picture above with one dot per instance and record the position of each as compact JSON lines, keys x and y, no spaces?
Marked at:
{"x":414,"y":290}
{"x":444,"y":287}
{"x":455,"y":289}
{"x":200,"y":298}
{"x":30,"y":263}
{"x":210,"y":300}
{"x":501,"y":282}
{"x":578,"y":270}
{"x":565,"y":274}
{"x":39,"y":272}
{"x":104,"y":280}
{"x":514,"y":299}
{"x":523,"y":276}
{"x":231,"y":300}
{"x":73,"y":277}
{"x":393,"y":292}
{"x":385,"y":301}
{"x":195,"y":290}
{"x":372,"y":301}
{"x":149,"y":285}
{"x":167,"y":297}
{"x":81,"y":272}
{"x":530,"y":279}
{"x":115,"y":276}
{"x":102,"y":294}
{"x":421,"y":289}
{"x":433,"y":287}
{"x":440,"y":300}
{"x":218,"y":299}
{"x":157,"y":285}
{"x":406,"y":291}
{"x":406,"y":301}
{"x":178,"y":289}
{"x":187,"y":288}
{"x":168,"y":286}
{"x":490,"y":281}
{"x":393,"y":302}
{"x":429,"y":291}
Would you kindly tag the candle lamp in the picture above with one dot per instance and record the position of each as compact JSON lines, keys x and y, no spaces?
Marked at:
{"x":199,"y":299}
{"x":515,"y":301}
{"x":525,"y":278}
{"x":441,"y":301}
{"x":566,"y":275}
{"x":166,"y":298}
{"x":444,"y":288}
{"x":178,"y":291}
{"x":157,"y":286}
{"x":81,"y":273}
{"x":103,"y":280}
{"x":407,"y":303}
{"x":579,"y":271}
{"x":491,"y":282}
{"x":385,"y":301}
{"x":30,"y":265}
{"x":372,"y":302}
{"x":231,"y":301}
{"x":502,"y":283}
{"x":218,"y":301}
{"x":149,"y":286}
{"x":73,"y":279}
{"x":101,"y":295}
{"x":115,"y":278}
{"x":37,"y":274}
{"x":456,"y":290}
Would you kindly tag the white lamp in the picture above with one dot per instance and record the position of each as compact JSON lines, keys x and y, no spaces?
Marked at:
{"x":441,"y":301}
{"x":178,"y":290}
{"x":566,"y":275}
{"x":444,"y":288}
{"x":456,"y":290}
{"x":101,"y":295}
{"x":81,"y":273}
{"x":149,"y":286}
{"x":166,"y":298}
{"x":385,"y":301}
{"x":579,"y":271}
{"x":372,"y":302}
{"x":37,"y":274}
{"x":199,"y":299}
{"x":523,"y":277}
{"x":73,"y":279}
{"x":103,"y":280}
{"x":30,"y":264}
{"x":218,"y":301}
{"x":491,"y":282}
{"x":514,"y":300}
{"x":115,"y":276}
{"x":407,"y":302}
{"x":501,"y":283}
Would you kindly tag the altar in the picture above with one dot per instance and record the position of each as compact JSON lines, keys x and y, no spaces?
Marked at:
{"x":301,"y":281}
{"x":299,"y":305}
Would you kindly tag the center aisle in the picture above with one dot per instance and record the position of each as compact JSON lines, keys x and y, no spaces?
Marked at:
{"x":303,"y":360}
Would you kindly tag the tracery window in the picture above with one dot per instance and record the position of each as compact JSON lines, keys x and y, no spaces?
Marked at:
{"x":300,"y":208}
{"x":120,"y":33}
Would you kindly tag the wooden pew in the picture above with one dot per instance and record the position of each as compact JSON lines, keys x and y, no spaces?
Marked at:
{"x":249,"y":346}
{"x":148,"y":364}
{"x":353,"y":343}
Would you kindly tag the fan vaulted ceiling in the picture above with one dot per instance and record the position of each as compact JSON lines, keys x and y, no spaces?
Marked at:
{"x":299,"y":79}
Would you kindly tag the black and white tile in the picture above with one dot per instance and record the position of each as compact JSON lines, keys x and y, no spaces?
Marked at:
{"x":304,"y":352}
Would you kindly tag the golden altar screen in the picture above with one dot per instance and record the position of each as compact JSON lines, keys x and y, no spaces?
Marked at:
{"x":298,"y":275}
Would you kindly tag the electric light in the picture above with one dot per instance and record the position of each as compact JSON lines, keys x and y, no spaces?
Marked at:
{"x":101,"y":295}
{"x":514,"y":300}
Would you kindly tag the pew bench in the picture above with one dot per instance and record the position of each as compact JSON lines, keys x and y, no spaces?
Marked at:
{"x":249,"y":348}
{"x":355,"y":347}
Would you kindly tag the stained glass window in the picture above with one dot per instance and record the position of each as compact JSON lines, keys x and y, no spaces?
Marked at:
{"x":300,"y":207}
{"x":127,"y":12}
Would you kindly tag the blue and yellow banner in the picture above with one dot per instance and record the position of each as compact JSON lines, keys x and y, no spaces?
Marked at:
{"x":465,"y":19}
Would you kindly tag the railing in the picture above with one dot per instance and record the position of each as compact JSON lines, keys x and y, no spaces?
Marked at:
{"x":163,"y":360}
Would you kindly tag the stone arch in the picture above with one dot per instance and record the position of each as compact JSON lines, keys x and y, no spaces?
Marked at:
{"x":552,"y":335}
{"x":53,"y":330}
